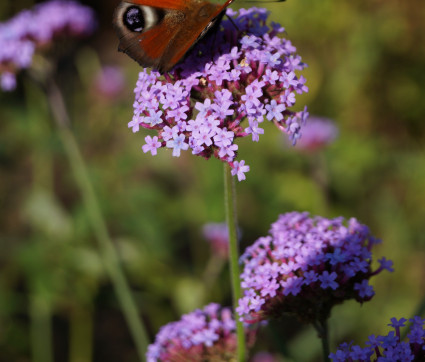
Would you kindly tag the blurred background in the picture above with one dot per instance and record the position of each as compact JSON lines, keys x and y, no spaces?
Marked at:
{"x":366,"y":73}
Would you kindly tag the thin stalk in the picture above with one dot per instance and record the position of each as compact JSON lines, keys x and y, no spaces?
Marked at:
{"x":81,"y":334}
{"x":106,"y":246}
{"x":323,"y":333}
{"x":318,"y":169}
{"x":212,"y":271}
{"x":230,"y":205}
{"x":41,"y":328}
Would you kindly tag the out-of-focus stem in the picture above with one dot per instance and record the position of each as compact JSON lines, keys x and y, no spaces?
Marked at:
{"x":81,"y":334}
{"x":106,"y":246}
{"x":212,"y":270}
{"x":41,"y":328}
{"x":323,"y":333}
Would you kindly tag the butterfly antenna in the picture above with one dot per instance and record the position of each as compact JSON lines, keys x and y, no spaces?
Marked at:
{"x":233,"y":23}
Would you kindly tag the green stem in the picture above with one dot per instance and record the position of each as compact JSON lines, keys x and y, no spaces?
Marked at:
{"x":107,"y":248}
{"x":212,"y":271}
{"x":323,"y":333}
{"x":41,"y":328}
{"x":319,"y":175}
{"x":230,"y":204}
{"x":81,"y":334}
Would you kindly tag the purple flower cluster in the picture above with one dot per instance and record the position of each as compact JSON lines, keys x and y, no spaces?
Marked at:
{"x":242,"y":72}
{"x":264,"y":357}
{"x":317,"y":133}
{"x":109,"y":83}
{"x":218,"y":235}
{"x":203,"y":335}
{"x":306,"y":266}
{"x":388,"y":348}
{"x":31,"y":29}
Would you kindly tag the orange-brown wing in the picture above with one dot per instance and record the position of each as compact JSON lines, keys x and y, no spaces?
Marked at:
{"x":155,"y":42}
{"x":202,"y":16}
{"x":145,"y":31}
{"x":159,"y":37}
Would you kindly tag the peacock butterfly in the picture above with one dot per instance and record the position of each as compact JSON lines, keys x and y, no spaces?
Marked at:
{"x":158,"y":33}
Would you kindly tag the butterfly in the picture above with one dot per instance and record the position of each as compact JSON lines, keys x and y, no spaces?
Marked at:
{"x":158,"y":33}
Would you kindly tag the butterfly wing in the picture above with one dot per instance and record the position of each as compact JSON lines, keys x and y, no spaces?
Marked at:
{"x":135,"y":23}
{"x":194,"y":29}
{"x":158,"y":33}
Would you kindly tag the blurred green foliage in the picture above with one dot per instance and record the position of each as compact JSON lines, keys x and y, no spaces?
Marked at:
{"x":366,"y":71}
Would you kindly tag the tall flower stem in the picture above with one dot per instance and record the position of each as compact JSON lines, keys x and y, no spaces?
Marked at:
{"x":41,"y":328}
{"x":81,"y":333}
{"x":231,"y":220}
{"x":323,"y":333}
{"x":106,"y":246}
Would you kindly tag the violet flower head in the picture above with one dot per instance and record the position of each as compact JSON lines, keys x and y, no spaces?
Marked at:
{"x":31,"y":29}
{"x":305,"y":267}
{"x":263,"y":357}
{"x":228,"y":85}
{"x":388,"y":348}
{"x":218,"y":236}
{"x":109,"y":83}
{"x":316,"y":134}
{"x":203,"y":335}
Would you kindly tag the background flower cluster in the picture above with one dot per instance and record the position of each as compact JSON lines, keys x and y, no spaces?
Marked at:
{"x":36,"y":28}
